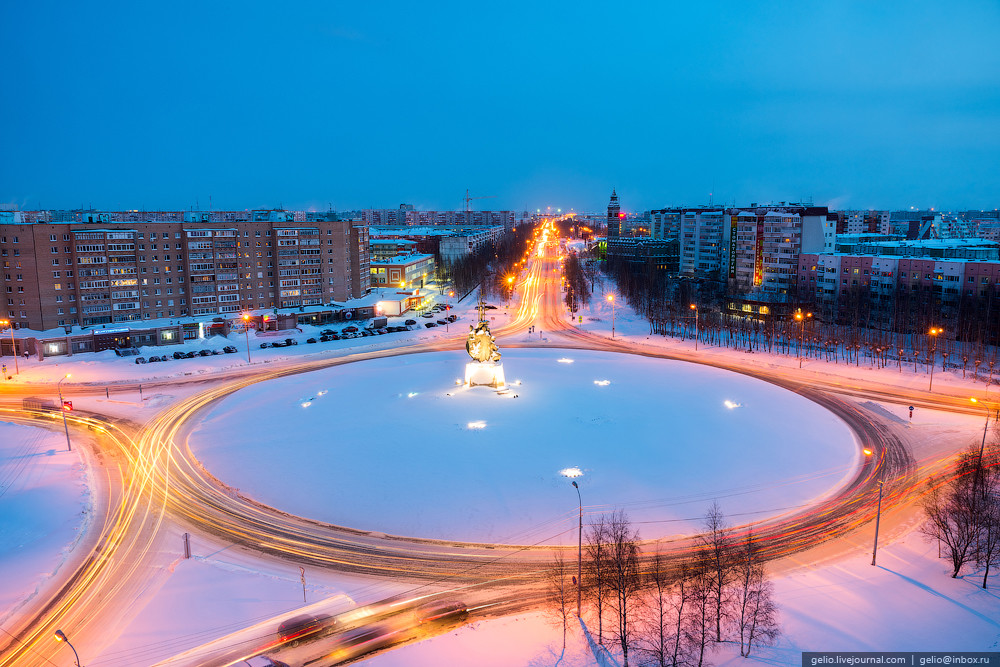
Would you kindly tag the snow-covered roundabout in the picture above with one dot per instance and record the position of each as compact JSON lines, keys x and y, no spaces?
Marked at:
{"x":396,"y":445}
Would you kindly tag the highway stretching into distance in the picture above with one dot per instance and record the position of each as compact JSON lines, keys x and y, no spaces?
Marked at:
{"x":153,"y":489}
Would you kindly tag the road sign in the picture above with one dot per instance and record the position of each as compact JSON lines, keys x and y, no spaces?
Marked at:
{"x":911,"y":412}
{"x":68,"y":406}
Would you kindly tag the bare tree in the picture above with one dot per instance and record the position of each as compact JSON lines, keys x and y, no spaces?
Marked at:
{"x":698,"y":619}
{"x":756,"y":616}
{"x":597,"y":566}
{"x":624,"y":580}
{"x":951,"y":521}
{"x":559,"y":592}
{"x":718,"y":549}
{"x":655,"y":631}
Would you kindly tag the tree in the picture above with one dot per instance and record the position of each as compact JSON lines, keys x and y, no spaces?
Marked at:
{"x":756,"y":615}
{"x":655,"y":635}
{"x":559,"y":592}
{"x":624,"y":580}
{"x":597,"y":567}
{"x":951,"y":520}
{"x":717,"y":545}
{"x":698,"y":621}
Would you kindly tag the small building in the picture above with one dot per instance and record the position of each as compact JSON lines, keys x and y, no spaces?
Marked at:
{"x":404,"y":271}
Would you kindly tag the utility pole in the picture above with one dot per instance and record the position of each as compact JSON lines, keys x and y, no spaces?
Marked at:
{"x":579,"y":553}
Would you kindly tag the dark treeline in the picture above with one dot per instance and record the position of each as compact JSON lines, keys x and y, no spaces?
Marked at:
{"x":888,"y":332}
{"x":487,"y":266}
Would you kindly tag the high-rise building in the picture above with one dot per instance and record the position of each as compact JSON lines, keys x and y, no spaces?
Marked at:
{"x":614,"y":216}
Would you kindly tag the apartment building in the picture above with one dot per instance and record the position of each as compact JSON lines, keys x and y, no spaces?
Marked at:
{"x":403,"y":271}
{"x":63,"y":269}
{"x":450,"y":243}
{"x":406,"y":216}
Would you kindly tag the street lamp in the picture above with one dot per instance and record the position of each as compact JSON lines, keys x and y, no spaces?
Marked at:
{"x":13,"y":345}
{"x":61,"y":637}
{"x":933,"y":332}
{"x":510,"y":282}
{"x":579,"y":553}
{"x":801,"y":319}
{"x":62,"y":409}
{"x":246,"y":330}
{"x":878,"y":517}
{"x":611,"y":298}
{"x":694,"y":307}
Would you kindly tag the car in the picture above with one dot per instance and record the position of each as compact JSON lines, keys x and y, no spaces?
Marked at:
{"x":153,"y":360}
{"x":180,"y":355}
{"x":429,"y":324}
{"x":310,"y":340}
{"x":204,"y":353}
{"x":489,"y":307}
{"x":442,"y":322}
{"x":365,"y":639}
{"x":451,"y":318}
{"x":260,"y":661}
{"x":351,"y":329}
{"x":279,"y":343}
{"x":290,"y":341}
{"x":410,"y":322}
{"x":306,"y":626}
{"x":441,"y":612}
{"x":214,"y":352}
{"x":191,"y":355}
{"x":427,"y":315}
{"x":140,"y":360}
{"x":264,"y":346}
{"x":328,"y":332}
{"x":383,"y":330}
{"x":229,"y":349}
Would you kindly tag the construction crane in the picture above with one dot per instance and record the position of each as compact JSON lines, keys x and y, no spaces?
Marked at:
{"x":468,"y":209}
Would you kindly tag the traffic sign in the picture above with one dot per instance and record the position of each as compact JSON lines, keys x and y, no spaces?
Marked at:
{"x":68,"y":406}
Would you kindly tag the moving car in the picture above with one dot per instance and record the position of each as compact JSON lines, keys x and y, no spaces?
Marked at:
{"x":260,"y":661}
{"x":298,"y":628}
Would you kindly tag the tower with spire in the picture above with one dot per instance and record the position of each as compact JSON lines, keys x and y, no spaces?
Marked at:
{"x":614,"y":216}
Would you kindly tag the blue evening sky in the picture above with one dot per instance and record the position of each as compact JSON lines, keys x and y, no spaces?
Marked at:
{"x":372,"y":104}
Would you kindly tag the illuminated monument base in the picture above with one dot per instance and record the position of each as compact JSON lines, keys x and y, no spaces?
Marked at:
{"x":484,"y":373}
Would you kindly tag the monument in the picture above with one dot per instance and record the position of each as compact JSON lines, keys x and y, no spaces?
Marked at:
{"x":485,"y":368}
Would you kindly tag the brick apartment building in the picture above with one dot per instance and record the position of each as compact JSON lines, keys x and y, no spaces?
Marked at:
{"x":62,"y":269}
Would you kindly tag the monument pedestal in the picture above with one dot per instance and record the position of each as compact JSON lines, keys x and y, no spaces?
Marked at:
{"x":484,"y":373}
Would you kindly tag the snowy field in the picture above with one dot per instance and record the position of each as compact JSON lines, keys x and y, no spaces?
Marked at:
{"x":44,"y":500}
{"x":394,"y":445}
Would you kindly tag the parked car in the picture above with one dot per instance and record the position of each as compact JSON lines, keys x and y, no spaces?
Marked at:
{"x":429,"y":324}
{"x":328,"y":332}
{"x":204,"y":353}
{"x":410,"y":322}
{"x":140,"y":360}
{"x":290,"y":341}
{"x":310,"y":340}
{"x":191,"y":355}
{"x":427,"y":315}
{"x":229,"y":349}
{"x":180,"y":355}
{"x":383,"y":330}
{"x":264,"y":346}
{"x":451,"y":318}
{"x":442,"y":322}
{"x":153,"y":360}
{"x":214,"y":352}
{"x":351,"y":329}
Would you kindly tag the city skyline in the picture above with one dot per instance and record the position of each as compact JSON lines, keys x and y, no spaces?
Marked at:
{"x":356,"y":107}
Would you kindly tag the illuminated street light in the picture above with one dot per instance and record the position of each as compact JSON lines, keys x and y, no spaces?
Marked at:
{"x":62,"y":409}
{"x":61,"y":637}
{"x":694,"y":307}
{"x":801,"y":319}
{"x":933,"y":332}
{"x":579,"y":552}
{"x":246,"y":330}
{"x":13,"y":345}
{"x":611,"y":298}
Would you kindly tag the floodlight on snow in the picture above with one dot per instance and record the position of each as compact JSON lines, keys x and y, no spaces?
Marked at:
{"x":564,"y":360}
{"x":602,"y":383}
{"x":476,"y":425}
{"x":306,"y":404}
{"x":411,"y":394}
{"x":321,"y":393}
{"x":729,"y":404}
{"x":571,"y":472}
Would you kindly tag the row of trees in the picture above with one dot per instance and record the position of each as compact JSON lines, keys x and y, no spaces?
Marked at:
{"x":862,"y":337}
{"x":578,"y":280}
{"x":488,"y":266}
{"x":661,"y":611}
{"x":963,"y":512}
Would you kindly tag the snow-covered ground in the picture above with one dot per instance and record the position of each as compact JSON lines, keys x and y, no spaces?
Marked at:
{"x":44,"y":501}
{"x":394,"y":445}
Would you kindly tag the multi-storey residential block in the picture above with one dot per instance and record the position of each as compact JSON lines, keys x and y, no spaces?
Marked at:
{"x":91,"y":268}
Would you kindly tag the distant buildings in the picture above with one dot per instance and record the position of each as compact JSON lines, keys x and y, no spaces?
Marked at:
{"x":406,"y":216}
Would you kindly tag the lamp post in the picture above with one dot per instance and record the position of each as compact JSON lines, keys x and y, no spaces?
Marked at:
{"x":611,"y":298}
{"x":62,"y":409}
{"x":579,"y":553}
{"x":934,"y":333}
{"x":801,"y":319}
{"x":878,"y":517}
{"x":510,"y":282}
{"x":61,"y":637}
{"x":13,"y":345}
{"x":246,"y":330}
{"x":694,"y":307}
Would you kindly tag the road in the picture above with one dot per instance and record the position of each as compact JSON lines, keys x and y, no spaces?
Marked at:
{"x":160,"y":489}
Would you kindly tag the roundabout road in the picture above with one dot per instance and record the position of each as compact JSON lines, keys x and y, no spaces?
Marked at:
{"x":162,"y":485}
